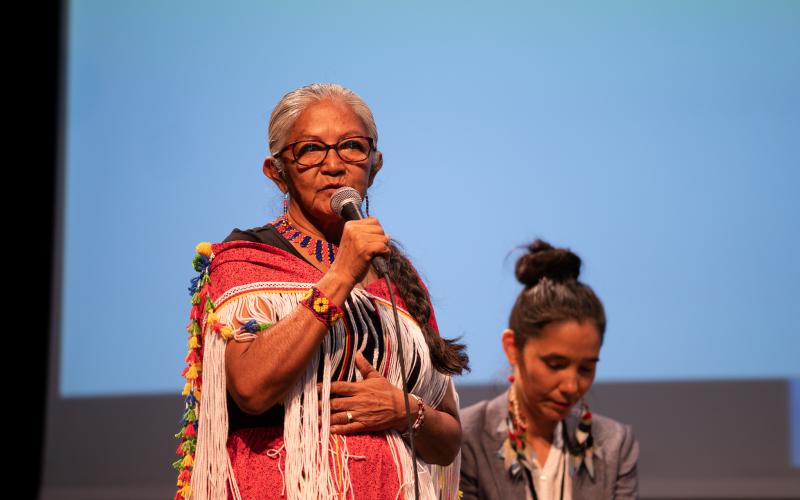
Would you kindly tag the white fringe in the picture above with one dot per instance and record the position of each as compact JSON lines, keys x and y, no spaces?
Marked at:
{"x":212,"y":469}
{"x":306,"y":434}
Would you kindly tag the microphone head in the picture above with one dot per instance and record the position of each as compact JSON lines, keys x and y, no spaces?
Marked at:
{"x":343,"y":196}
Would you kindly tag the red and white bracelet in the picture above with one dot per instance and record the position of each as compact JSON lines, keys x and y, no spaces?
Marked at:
{"x":420,"y":415}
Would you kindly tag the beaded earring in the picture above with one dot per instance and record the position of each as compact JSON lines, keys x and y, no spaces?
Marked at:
{"x":285,"y":203}
{"x":366,"y":200}
{"x":582,"y":449}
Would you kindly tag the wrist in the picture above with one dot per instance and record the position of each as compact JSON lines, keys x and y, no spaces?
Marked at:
{"x":336,"y":286}
{"x":322,"y":307}
{"x":418,"y":410}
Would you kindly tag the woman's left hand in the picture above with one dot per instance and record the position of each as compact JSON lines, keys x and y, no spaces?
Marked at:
{"x":370,"y":405}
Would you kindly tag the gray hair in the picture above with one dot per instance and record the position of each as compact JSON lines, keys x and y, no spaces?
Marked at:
{"x":295,"y":102}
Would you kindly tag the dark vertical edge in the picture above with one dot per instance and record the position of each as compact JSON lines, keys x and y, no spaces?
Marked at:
{"x":55,"y":69}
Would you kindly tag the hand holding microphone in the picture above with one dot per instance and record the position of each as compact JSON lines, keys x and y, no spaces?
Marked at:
{"x":363,"y":240}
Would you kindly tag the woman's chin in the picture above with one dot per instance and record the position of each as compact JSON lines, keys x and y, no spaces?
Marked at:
{"x":553,"y":412}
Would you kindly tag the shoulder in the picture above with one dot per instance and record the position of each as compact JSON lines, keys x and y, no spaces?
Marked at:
{"x":614,"y":438}
{"x":473,"y":417}
{"x":263,"y":234}
{"x":607,"y":429}
{"x":483,"y":416}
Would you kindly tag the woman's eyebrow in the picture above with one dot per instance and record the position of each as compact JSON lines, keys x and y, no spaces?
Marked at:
{"x":561,"y":357}
{"x":346,"y":135}
{"x":306,"y":137}
{"x":352,"y":133}
{"x":554,"y":355}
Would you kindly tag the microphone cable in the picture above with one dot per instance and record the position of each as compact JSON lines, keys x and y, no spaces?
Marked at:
{"x":404,"y":377}
{"x":346,"y":202}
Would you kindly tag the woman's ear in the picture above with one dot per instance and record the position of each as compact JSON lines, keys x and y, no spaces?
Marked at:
{"x":273,"y":169}
{"x":375,"y":167}
{"x":510,"y":347}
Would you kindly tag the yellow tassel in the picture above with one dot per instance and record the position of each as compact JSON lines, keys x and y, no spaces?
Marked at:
{"x":186,"y":389}
{"x":197,"y":393}
{"x":193,"y":342}
{"x":180,"y":483}
{"x":186,"y":490}
{"x":188,"y":461}
{"x":204,"y":248}
{"x":192,"y":373}
{"x":212,"y":317}
{"x":226,"y":332}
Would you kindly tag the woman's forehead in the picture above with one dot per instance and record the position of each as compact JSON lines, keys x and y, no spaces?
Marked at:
{"x":329,"y":117}
{"x":572,"y":339}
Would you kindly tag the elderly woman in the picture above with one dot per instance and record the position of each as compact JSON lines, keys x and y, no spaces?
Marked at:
{"x":528,"y":442}
{"x":293,"y":384}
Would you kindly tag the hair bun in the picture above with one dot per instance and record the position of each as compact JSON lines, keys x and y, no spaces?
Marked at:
{"x":544,"y":261}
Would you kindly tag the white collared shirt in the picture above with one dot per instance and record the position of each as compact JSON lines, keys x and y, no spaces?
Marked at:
{"x":547,"y":479}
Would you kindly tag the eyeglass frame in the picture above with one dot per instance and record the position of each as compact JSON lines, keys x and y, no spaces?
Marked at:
{"x":328,"y":147}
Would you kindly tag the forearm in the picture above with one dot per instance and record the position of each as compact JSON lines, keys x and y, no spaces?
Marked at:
{"x":260,"y":374}
{"x":439,"y":439}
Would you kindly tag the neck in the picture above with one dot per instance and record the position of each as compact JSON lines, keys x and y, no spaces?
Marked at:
{"x":330,"y":231}
{"x":536,"y":428}
{"x":541,"y":429}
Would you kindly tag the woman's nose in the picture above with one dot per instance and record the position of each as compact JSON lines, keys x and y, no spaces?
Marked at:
{"x":333,"y":165}
{"x":569,"y":385}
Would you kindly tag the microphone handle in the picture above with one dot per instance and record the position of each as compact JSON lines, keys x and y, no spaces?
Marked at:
{"x":351,"y":211}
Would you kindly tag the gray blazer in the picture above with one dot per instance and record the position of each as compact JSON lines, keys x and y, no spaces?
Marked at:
{"x":483,"y":474}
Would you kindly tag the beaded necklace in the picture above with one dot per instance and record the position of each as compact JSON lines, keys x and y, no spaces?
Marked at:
{"x":516,"y":441}
{"x":321,"y":250}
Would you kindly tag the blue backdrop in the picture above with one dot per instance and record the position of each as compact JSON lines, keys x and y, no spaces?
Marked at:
{"x":657,"y":140}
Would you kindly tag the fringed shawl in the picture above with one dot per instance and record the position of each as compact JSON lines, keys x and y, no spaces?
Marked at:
{"x":242,"y":281}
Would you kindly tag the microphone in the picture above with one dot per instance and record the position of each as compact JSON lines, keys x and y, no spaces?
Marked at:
{"x":346,"y":203}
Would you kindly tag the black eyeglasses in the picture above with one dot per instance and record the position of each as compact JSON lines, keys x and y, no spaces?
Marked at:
{"x":313,"y":153}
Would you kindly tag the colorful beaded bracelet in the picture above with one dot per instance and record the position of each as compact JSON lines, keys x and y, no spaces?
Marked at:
{"x":322,"y":307}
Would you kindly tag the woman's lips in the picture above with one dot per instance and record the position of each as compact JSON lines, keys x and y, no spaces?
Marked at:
{"x":560,"y":405}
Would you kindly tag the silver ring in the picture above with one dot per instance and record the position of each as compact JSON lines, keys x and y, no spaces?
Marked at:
{"x":349,"y":417}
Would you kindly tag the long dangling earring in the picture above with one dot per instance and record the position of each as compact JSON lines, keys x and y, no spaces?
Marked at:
{"x":585,"y":424}
{"x":366,"y":200}
{"x":583,"y":433}
{"x":285,"y":204}
{"x":582,"y":450}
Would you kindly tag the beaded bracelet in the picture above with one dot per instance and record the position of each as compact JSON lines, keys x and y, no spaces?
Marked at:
{"x":322,"y":307}
{"x":420,"y":415}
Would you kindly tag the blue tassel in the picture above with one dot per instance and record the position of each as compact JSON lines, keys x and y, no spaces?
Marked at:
{"x":193,"y":285}
{"x":251,"y":326}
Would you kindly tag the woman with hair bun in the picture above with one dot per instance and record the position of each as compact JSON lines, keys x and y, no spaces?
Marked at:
{"x":538,"y":440}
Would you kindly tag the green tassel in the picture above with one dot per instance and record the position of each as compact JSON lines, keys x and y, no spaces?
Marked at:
{"x":193,"y":328}
{"x":196,"y":262}
{"x":178,"y":464}
{"x":189,"y":446}
{"x":195,"y":298}
{"x":189,"y":415}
